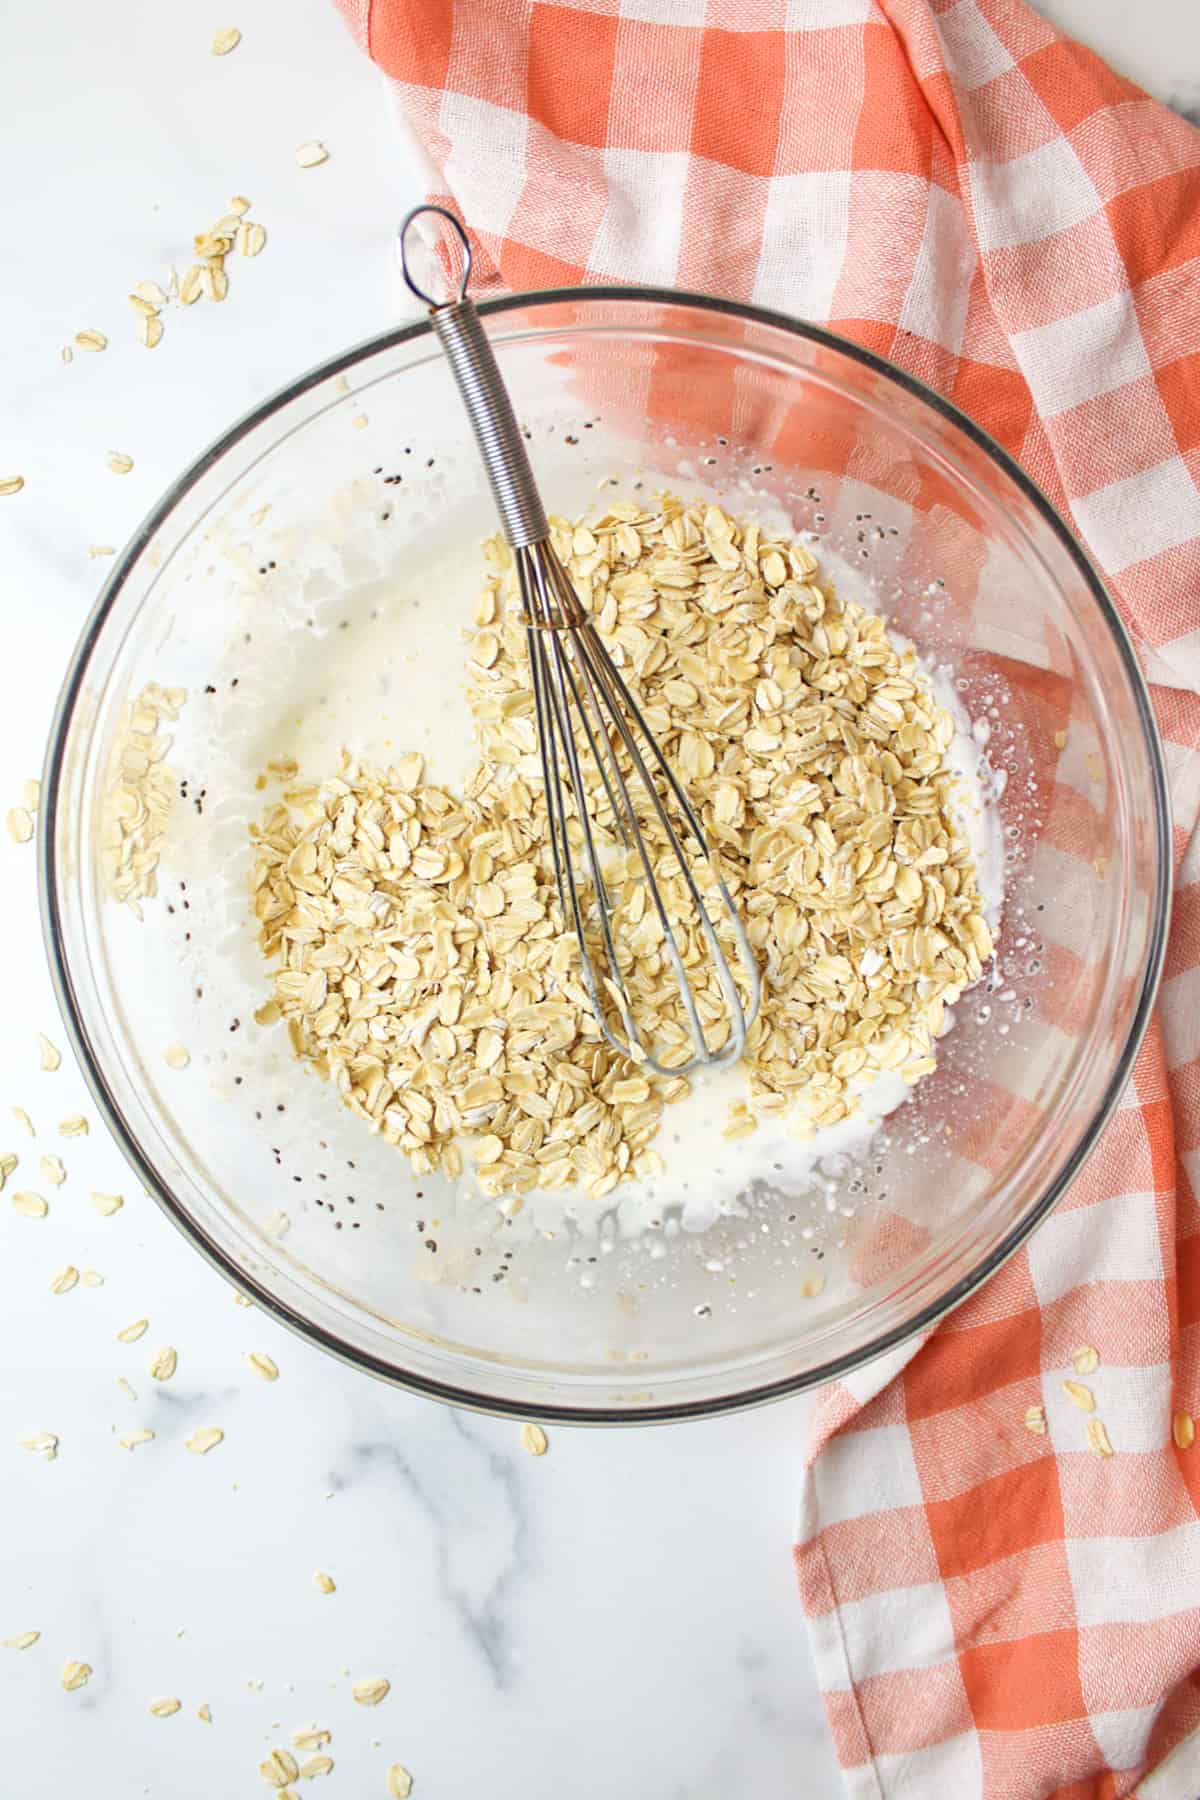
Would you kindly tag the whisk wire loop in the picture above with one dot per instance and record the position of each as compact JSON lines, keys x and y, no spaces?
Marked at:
{"x":583,"y":707}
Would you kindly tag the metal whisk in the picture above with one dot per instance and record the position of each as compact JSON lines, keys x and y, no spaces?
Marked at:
{"x":585,"y":711}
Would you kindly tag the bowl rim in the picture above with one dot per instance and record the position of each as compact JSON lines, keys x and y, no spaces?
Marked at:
{"x":110,"y":1108}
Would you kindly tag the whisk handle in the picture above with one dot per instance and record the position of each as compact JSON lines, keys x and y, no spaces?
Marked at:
{"x":460,"y":332}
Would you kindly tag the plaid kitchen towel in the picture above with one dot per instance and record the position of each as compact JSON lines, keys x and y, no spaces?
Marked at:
{"x":960,"y":188}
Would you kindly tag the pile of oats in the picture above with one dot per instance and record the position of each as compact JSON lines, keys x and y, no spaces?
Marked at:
{"x":423,"y":962}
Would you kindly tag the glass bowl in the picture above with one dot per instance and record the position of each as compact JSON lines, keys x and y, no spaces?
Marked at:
{"x":307,"y":572}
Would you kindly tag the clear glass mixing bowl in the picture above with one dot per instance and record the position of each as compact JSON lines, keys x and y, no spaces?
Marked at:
{"x":300,"y":565}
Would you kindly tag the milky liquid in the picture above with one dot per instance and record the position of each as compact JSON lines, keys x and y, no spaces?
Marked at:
{"x":393,"y":679}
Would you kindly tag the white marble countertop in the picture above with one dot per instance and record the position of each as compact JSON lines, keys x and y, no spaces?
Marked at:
{"x":618,"y":1616}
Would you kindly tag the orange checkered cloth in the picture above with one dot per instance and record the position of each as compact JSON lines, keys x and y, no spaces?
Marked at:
{"x":954,"y":184}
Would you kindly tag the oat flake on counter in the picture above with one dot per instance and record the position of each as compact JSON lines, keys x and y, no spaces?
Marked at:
{"x":42,"y":1443}
{"x":312,"y":1737}
{"x":534,"y":1439}
{"x":279,"y":1768}
{"x":201,"y":1442}
{"x":371,"y":1691}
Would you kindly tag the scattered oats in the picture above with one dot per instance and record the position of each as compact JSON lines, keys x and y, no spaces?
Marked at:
{"x":92,"y":1278}
{"x":278,"y":1225}
{"x":204,"y":1713}
{"x":1183,"y":1430}
{"x":201,"y":1442}
{"x":279,"y":1768}
{"x":263,"y":1365}
{"x":8,"y":1162}
{"x":810,"y":1288}
{"x":127,"y":1388}
{"x":24,"y":1121}
{"x":226,"y":40}
{"x":240,"y":1299}
{"x":139,"y":794}
{"x":132,"y":1439}
{"x":67,"y":354}
{"x":399,"y":1782}
{"x":1098,"y":1437}
{"x":1085,"y":1360}
{"x":118,"y":462}
{"x":312,"y":153}
{"x":176,"y":1057}
{"x":30,"y":1206}
{"x":1035,"y":1420}
{"x":165,"y":1709}
{"x":1080,"y":1396}
{"x":73,"y":1126}
{"x":106,"y":1204}
{"x":23,"y":1641}
{"x":75,"y":1675}
{"x":129,"y":1334}
{"x":313,"y":1737}
{"x":42,"y":1443}
{"x":151,"y":293}
{"x":53,"y":1170}
{"x":19,"y":824}
{"x":316,"y":1765}
{"x":91,"y":340}
{"x":251,"y":238}
{"x":371,"y":1691}
{"x":12,"y":484}
{"x":150,"y":330}
{"x":324,"y":1582}
{"x":360,"y":421}
{"x":534,"y":1439}
{"x":31,"y":795}
{"x":65,"y":1280}
{"x":51,"y":1058}
{"x":239,"y":205}
{"x":163,"y":1363}
{"x":98,"y":550}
